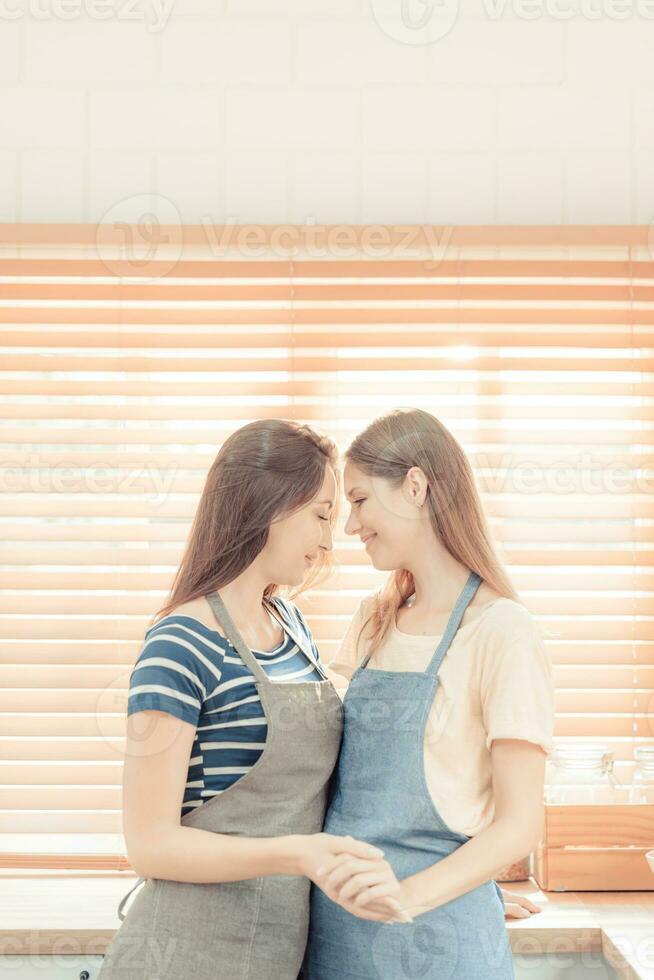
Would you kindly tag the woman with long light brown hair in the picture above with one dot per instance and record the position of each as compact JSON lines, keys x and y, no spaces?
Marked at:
{"x":448,"y":720}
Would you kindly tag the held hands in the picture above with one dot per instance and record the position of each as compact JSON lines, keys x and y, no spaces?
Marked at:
{"x":355,"y":875}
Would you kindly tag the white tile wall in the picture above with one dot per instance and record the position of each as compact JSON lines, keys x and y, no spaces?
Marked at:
{"x":10,"y":51}
{"x":116,"y":175}
{"x":155,"y":117}
{"x":644,"y":188}
{"x":50,"y":117}
{"x":10,"y":188}
{"x":460,"y":117}
{"x":645,"y":116}
{"x":401,"y":179}
{"x":463,"y":188}
{"x":570,"y":117}
{"x":334,"y":111}
{"x":44,"y":173}
{"x":496,"y":53}
{"x":89,"y":53}
{"x":531,"y":182}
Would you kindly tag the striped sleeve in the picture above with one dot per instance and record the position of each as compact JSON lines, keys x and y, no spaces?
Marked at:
{"x":172,"y":674}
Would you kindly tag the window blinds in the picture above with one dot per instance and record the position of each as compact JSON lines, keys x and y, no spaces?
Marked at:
{"x":122,"y":374}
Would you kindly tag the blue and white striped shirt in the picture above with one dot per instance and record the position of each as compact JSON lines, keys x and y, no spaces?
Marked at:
{"x":192,"y":672}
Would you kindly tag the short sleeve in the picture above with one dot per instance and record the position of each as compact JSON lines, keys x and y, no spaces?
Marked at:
{"x":169,"y":676}
{"x":517,"y":686}
{"x":350,"y":652}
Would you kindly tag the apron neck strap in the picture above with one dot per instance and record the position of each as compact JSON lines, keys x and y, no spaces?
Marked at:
{"x":466,"y":596}
{"x":276,"y":610}
{"x":229,"y":628}
{"x":235,"y":638}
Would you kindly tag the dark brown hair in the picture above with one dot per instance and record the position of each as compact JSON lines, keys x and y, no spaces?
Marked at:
{"x":265,"y":470}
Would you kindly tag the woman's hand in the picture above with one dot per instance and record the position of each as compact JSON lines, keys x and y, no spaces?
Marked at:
{"x":321,"y":854}
{"x":517,"y":906}
{"x":364,"y":887}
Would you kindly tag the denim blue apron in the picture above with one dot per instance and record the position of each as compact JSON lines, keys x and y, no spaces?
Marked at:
{"x":380,"y":795}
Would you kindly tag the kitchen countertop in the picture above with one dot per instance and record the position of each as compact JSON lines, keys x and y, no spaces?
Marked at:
{"x":75,"y":914}
{"x":620,"y":925}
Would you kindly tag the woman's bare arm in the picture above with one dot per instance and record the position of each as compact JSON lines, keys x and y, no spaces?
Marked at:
{"x":518,"y":775}
{"x":157,"y":753}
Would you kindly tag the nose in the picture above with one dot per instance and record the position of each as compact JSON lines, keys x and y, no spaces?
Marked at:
{"x":327,"y":542}
{"x":352,"y":525}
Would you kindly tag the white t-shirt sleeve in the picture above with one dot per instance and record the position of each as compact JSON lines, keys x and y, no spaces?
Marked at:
{"x":517,"y":685}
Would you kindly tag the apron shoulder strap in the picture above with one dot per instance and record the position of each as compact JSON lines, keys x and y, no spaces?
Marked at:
{"x":233,"y":635}
{"x":465,"y":598}
{"x":277,"y":609}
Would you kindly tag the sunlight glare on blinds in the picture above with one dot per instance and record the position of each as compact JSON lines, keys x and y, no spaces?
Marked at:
{"x":534,"y":346}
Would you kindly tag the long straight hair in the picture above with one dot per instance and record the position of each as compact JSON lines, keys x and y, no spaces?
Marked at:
{"x":388,"y":448}
{"x":265,"y":470}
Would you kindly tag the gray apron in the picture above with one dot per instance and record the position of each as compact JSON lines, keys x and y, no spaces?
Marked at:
{"x":256,"y":928}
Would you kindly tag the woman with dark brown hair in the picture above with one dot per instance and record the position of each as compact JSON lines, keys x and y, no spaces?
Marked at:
{"x":233,"y":721}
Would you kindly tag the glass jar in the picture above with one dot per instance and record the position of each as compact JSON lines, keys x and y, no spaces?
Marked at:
{"x":581,"y":772}
{"x":642,"y":789}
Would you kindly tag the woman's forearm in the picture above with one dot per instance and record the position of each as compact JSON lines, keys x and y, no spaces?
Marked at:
{"x":200,"y":856}
{"x":473,"y":863}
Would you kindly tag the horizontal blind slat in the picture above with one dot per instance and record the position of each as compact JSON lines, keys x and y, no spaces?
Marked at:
{"x":301,"y":361}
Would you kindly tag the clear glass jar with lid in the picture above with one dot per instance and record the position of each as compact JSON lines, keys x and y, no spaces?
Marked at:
{"x":581,"y":772}
{"x":642,"y":788}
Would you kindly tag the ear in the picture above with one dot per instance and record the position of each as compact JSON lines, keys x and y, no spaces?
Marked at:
{"x":416,"y":486}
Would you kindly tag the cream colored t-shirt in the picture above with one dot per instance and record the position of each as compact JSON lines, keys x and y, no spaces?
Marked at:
{"x":495,"y":681}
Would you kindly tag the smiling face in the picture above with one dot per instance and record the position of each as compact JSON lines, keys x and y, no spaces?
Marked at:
{"x":295,"y":542}
{"x":387,"y":519}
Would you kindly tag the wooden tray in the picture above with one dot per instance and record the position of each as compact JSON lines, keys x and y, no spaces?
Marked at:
{"x":599,"y":847}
